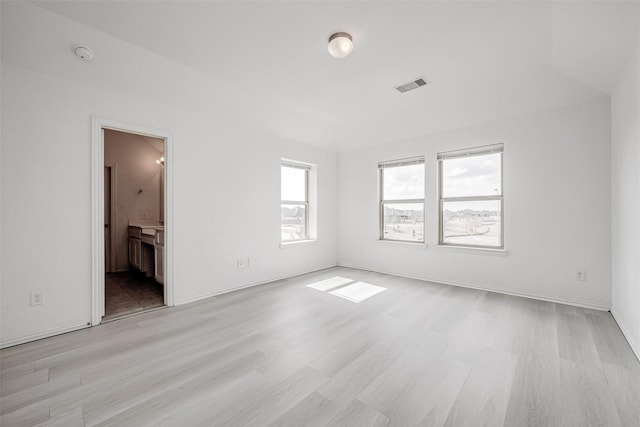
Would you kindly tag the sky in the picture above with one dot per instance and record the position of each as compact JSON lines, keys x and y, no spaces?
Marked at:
{"x":404,"y":182}
{"x":292,"y":184}
{"x":465,"y":176}
{"x":472,"y":176}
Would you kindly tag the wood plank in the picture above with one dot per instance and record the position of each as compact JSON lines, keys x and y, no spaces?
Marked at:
{"x":32,"y":395}
{"x":27,"y":416}
{"x":276,"y":400}
{"x":575,"y":342}
{"x":200,"y":397}
{"x":354,"y":378}
{"x":16,"y":370}
{"x":625,"y":391}
{"x":335,"y":359}
{"x":585,"y":397}
{"x":23,"y":382}
{"x":399,"y":391}
{"x":485,"y":395}
{"x":409,"y":394}
{"x":73,"y":418}
{"x":313,"y":411}
{"x":612,"y":347}
{"x":357,"y":414}
{"x":100,"y":404}
{"x":535,"y":397}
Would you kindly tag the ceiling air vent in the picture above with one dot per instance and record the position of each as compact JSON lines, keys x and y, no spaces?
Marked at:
{"x":412,"y":85}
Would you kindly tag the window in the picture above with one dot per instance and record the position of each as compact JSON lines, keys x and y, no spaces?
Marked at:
{"x":294,"y":201}
{"x":402,"y":200}
{"x":471,"y":201}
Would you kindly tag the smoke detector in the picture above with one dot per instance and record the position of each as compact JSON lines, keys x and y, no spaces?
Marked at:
{"x":83,"y":53}
{"x":406,"y":87}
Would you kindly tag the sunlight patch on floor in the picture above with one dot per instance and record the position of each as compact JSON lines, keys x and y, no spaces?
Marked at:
{"x":331,"y":283}
{"x":355,"y":292}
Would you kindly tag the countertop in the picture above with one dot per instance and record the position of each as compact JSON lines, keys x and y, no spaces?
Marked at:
{"x":146,"y":224}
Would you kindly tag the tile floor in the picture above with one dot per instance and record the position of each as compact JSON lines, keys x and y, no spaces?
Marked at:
{"x":128,"y":293}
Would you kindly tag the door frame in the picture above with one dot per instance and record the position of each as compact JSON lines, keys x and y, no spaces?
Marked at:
{"x":98,"y":125}
{"x":113,"y":265}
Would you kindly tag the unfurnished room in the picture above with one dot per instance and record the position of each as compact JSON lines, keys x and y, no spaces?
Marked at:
{"x":319,"y":213}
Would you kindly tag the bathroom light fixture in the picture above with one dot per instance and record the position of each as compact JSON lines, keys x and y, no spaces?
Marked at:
{"x":161,"y":161}
{"x":340,"y":45}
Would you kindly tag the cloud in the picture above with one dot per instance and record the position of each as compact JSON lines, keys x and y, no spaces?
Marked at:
{"x":472,"y":176}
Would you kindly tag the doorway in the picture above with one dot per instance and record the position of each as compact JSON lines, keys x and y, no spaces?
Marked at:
{"x":134,"y":218}
{"x":132,"y":193}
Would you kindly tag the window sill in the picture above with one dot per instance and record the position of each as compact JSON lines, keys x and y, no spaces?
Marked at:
{"x":470,"y":250}
{"x":296,"y":243}
{"x":400,"y":243}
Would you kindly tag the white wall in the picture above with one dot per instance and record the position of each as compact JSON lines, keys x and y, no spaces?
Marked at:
{"x":625,"y":202}
{"x":226,"y":181}
{"x":134,"y":158}
{"x":557,"y":217}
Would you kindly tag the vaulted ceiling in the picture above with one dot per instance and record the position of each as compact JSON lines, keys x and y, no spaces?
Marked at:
{"x":485,"y":60}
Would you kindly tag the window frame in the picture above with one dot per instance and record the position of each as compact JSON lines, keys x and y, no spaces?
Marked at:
{"x":305,"y":203}
{"x":470,"y":152}
{"x":382,"y":201}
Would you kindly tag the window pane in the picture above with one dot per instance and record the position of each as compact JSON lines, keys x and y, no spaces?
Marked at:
{"x":403,"y":221}
{"x":293,"y":184}
{"x":293,"y":222}
{"x":472,"y":223}
{"x":403,"y":182}
{"x":472,"y":176}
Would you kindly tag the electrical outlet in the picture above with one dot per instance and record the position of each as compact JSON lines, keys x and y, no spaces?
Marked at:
{"x":581,"y":275}
{"x":249,"y":262}
{"x":242,"y":263}
{"x":37,"y":298}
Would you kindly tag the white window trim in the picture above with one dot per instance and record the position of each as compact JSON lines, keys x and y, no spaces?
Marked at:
{"x":475,"y":151}
{"x":399,"y":163}
{"x":309,"y":203}
{"x":474,"y":250}
{"x":402,"y":243}
{"x":297,"y":243}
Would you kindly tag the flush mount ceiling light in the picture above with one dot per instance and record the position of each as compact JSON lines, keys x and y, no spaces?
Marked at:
{"x":340,"y":45}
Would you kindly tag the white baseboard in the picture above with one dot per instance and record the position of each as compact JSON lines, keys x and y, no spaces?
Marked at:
{"x":251,"y":285}
{"x":577,"y":303}
{"x":630,"y":339}
{"x":10,"y":342}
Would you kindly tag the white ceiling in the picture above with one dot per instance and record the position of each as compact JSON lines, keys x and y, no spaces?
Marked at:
{"x":486,"y":60}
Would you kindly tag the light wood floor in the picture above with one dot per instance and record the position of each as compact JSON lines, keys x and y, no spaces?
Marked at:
{"x":284,"y":354}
